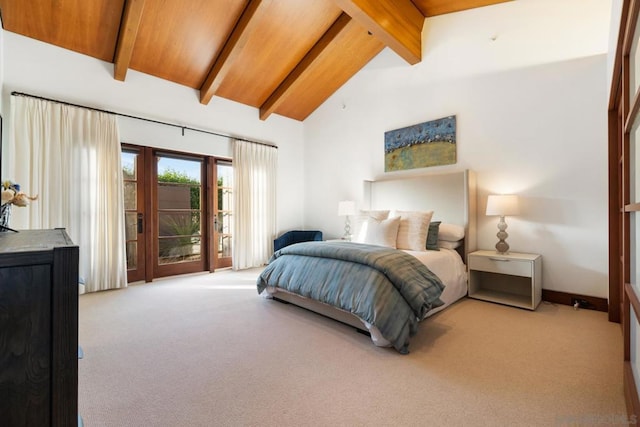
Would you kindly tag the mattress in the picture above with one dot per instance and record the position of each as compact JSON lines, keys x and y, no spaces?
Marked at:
{"x":448,"y":266}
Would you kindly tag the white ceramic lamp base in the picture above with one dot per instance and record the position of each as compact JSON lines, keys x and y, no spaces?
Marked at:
{"x":502,"y":247}
{"x":347,"y":230}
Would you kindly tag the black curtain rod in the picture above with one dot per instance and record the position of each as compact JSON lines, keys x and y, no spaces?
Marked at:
{"x":142,"y":118}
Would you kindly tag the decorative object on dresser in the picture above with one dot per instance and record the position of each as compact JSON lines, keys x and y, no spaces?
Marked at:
{"x":502,"y":205}
{"x":38,"y":329}
{"x":5,"y":215}
{"x":347,"y":208}
{"x":10,"y":195}
{"x":513,"y":279}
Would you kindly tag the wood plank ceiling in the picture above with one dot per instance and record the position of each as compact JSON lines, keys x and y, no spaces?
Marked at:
{"x":281,"y":56}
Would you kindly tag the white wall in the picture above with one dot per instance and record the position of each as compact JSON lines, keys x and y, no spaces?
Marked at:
{"x":4,"y":133}
{"x":527,"y":122}
{"x":1,"y":64}
{"x":614,"y":29}
{"x":45,"y":70}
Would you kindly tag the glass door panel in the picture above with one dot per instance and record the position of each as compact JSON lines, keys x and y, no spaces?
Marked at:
{"x":179,"y":211}
{"x":223,"y":214}
{"x":634,"y":63}
{"x":132,"y":174}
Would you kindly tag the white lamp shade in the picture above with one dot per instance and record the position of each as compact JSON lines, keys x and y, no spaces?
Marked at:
{"x":346,"y":207}
{"x":503,"y":205}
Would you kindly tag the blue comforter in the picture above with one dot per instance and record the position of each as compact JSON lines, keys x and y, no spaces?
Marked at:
{"x":385,"y":287}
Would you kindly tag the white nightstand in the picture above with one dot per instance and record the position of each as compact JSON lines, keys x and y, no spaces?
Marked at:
{"x":514,"y":279}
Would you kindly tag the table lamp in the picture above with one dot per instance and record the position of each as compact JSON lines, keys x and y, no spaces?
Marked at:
{"x":347,"y":208}
{"x":502,"y":205}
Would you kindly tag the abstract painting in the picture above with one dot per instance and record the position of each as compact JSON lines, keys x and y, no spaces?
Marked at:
{"x":427,"y":144}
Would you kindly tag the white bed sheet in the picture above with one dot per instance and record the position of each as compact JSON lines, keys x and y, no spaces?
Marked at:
{"x":448,"y":266}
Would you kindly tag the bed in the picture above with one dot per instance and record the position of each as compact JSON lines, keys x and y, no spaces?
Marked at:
{"x":355,"y":282}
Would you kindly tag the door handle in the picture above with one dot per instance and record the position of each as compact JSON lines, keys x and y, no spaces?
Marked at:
{"x":139,"y":223}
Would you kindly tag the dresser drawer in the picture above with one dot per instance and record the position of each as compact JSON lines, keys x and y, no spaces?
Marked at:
{"x":501,"y":265}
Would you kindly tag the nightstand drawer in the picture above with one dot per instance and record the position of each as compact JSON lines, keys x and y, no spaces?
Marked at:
{"x":498,"y":264}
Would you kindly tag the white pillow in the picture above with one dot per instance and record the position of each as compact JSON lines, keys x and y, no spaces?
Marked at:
{"x":381,"y":233}
{"x":413,"y":229}
{"x":444,"y":244}
{"x":358,"y":231}
{"x":450,"y":232}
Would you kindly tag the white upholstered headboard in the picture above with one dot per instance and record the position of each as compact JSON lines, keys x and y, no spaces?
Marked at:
{"x":450,"y":195}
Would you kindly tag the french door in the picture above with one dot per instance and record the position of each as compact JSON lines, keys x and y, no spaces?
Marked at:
{"x":223,"y":213}
{"x":134,"y":208}
{"x":624,"y":198}
{"x":178,"y":207}
{"x":178,"y":212}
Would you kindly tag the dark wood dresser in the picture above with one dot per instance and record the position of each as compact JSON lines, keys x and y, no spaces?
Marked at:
{"x":38,"y":329}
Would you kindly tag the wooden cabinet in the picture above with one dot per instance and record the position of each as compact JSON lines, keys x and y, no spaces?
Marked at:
{"x":514,"y":279}
{"x":38,"y":329}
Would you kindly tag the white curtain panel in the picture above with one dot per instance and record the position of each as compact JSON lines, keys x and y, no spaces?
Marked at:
{"x":70,"y":158}
{"x":254,"y":211}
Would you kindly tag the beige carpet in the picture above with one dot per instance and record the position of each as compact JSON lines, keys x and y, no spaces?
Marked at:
{"x":206,"y":350}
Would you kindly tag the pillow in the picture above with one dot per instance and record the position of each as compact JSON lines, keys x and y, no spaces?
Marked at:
{"x":357,"y":230}
{"x":432,"y":236}
{"x":450,"y":232}
{"x":413,"y":229}
{"x":444,"y":244}
{"x":382,"y":233}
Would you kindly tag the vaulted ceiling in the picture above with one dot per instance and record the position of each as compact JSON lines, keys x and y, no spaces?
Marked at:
{"x":281,"y":56}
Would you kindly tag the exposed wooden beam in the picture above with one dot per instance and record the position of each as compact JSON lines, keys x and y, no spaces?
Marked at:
{"x":232,"y":49}
{"x":127,"y":37}
{"x":288,"y":85}
{"x":397,"y":23}
{"x":440,"y":7}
